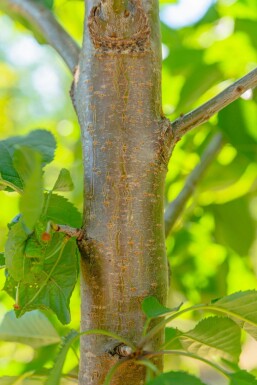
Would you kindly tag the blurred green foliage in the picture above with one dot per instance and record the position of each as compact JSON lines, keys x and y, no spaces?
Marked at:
{"x":213,"y":247}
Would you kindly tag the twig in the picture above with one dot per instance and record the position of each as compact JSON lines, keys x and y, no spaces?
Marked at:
{"x":70,"y":231}
{"x":207,"y":110}
{"x":176,"y":207}
{"x":41,"y":18}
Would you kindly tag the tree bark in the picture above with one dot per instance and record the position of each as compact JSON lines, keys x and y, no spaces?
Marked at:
{"x":126,"y":147}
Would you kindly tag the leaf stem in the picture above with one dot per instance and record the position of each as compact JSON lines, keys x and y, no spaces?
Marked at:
{"x":149,"y":365}
{"x":211,"y":308}
{"x":146,"y":326}
{"x":59,"y":246}
{"x":104,"y":333}
{"x":47,"y":202}
{"x":110,"y":334}
{"x":112,"y":371}
{"x":190,"y":355}
{"x":11,"y":185}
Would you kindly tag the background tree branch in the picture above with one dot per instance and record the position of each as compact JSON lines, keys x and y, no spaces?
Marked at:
{"x":203,"y":113}
{"x":176,"y":207}
{"x":44,"y":21}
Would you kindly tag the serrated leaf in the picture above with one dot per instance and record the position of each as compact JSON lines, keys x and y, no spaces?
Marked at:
{"x":175,"y":378}
{"x":214,"y":336}
{"x":52,"y":287}
{"x":153,"y":308}
{"x":43,"y":274}
{"x":242,"y":378}
{"x":242,"y":308}
{"x":39,"y":140}
{"x":14,"y":251}
{"x":54,"y":377}
{"x":33,"y":329}
{"x":61,"y":211}
{"x":28,"y":164}
{"x":64,"y":181}
{"x":171,"y":338}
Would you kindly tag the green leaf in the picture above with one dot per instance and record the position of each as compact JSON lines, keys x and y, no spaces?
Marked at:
{"x":242,"y":308}
{"x":61,"y":211}
{"x":242,"y":378}
{"x":7,"y":170}
{"x":233,"y":124}
{"x":43,"y":274}
{"x":2,"y":260}
{"x":175,"y":378}
{"x":153,"y":308}
{"x":33,"y":329}
{"x":39,"y":140}
{"x":196,"y":84}
{"x":14,"y":251}
{"x":28,"y":164}
{"x":54,"y":377}
{"x":214,"y":336}
{"x":64,"y":181}
{"x":172,"y":338}
{"x":50,"y":287}
{"x":235,"y":227}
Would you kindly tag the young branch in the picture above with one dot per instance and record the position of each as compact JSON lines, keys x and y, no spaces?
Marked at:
{"x":203,"y":113}
{"x":42,"y":19}
{"x":69,"y":231}
{"x":176,"y":207}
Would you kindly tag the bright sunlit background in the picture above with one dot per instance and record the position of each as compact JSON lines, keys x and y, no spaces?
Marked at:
{"x":207,"y":44}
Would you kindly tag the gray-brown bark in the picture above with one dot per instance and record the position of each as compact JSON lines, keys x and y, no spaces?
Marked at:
{"x":126,"y":145}
{"x":117,"y":96}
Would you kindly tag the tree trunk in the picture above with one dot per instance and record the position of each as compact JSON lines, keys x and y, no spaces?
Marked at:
{"x":126,"y":140}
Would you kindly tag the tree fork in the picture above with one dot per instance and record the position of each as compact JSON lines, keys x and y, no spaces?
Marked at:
{"x":126,"y":147}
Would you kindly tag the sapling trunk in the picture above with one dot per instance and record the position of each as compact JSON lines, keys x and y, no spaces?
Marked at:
{"x":125,"y":139}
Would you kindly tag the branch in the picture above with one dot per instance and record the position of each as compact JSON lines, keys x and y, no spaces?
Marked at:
{"x":203,"y":113}
{"x":176,"y":207}
{"x":44,"y":21}
{"x":70,"y":231}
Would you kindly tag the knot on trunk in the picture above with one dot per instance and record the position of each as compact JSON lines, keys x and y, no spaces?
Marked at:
{"x":165,"y":143}
{"x":121,"y":351}
{"x":121,"y":31}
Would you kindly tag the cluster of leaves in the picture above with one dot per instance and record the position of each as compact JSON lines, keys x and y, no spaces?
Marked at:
{"x":41,"y":268}
{"x":215,"y":340}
